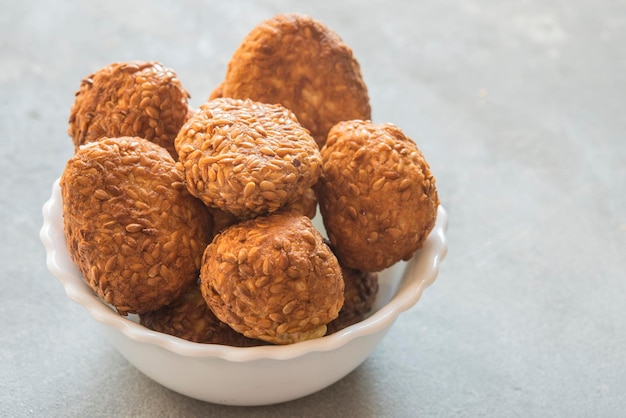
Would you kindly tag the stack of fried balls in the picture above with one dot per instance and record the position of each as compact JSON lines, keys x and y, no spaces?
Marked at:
{"x":199,"y":220}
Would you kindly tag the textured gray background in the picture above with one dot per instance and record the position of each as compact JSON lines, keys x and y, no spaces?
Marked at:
{"x":519,"y":108}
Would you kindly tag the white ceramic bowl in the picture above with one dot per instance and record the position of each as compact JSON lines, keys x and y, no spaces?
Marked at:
{"x":252,"y":375}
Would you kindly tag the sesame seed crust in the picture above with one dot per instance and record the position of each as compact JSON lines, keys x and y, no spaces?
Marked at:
{"x":190,"y":318}
{"x":134,"y":98}
{"x":377,"y":195}
{"x":302,"y":64}
{"x":131,"y":226}
{"x":273,"y":278}
{"x":247,"y":158}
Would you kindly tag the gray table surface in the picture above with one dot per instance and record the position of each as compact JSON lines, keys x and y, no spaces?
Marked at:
{"x":519,"y":108}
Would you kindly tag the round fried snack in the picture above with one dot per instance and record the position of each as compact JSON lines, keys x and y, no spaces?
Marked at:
{"x":247,"y":158}
{"x":134,"y":98}
{"x":360,"y":293}
{"x":300,"y":63}
{"x":273,"y":278}
{"x":377,"y":195}
{"x":131,"y":226}
{"x":190,"y":318}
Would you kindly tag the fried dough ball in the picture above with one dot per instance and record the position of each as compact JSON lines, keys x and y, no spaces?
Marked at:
{"x":131,"y":226}
{"x":360,"y":293}
{"x":377,"y":195}
{"x":190,"y":318}
{"x":300,"y":63}
{"x":273,"y":278}
{"x":247,"y":158}
{"x":134,"y":98}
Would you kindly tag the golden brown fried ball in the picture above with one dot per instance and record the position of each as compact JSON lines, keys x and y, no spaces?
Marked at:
{"x":190,"y":318}
{"x":273,"y":278}
{"x":247,"y":158}
{"x":133,"y":98}
{"x":360,"y":293}
{"x":300,"y":63}
{"x":377,"y":195}
{"x":131,"y":226}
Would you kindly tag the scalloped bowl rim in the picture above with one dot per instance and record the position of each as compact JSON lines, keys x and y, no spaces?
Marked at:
{"x":426,"y":262}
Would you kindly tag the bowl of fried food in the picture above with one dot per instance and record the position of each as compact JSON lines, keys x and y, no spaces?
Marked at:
{"x":254,"y":250}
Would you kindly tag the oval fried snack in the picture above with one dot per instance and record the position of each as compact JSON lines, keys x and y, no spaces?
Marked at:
{"x":131,"y":226}
{"x":190,"y":318}
{"x":300,"y":63}
{"x":377,"y":195}
{"x":135,"y":98}
{"x":273,"y":278}
{"x":247,"y":158}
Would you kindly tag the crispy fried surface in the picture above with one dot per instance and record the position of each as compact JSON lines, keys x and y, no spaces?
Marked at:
{"x":300,"y":63}
{"x":247,"y":158}
{"x":134,"y":98}
{"x":190,"y":318}
{"x":377,"y":195}
{"x":131,"y":227}
{"x":273,"y":278}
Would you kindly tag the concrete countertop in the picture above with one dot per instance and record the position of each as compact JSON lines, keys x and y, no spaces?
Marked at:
{"x":519,"y":109}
